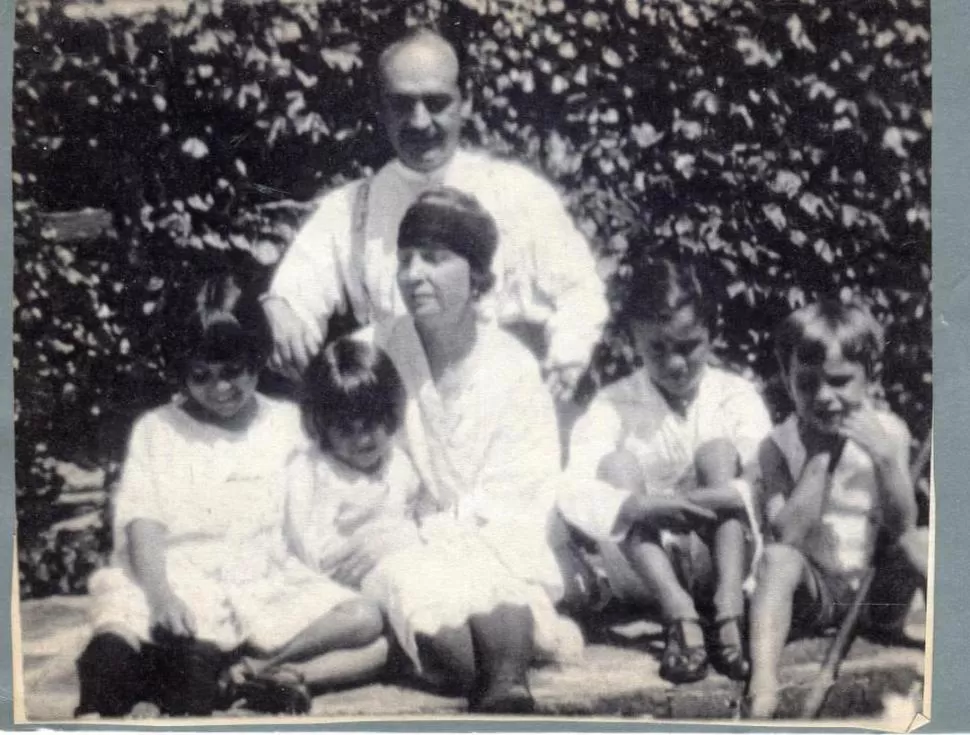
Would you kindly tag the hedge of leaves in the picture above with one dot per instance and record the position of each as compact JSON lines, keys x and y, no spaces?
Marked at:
{"x":784,"y":146}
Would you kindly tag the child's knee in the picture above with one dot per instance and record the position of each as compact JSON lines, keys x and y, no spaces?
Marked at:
{"x":915,"y":548}
{"x":621,"y":469}
{"x":364,"y":616}
{"x":781,"y":566}
{"x":716,"y":462}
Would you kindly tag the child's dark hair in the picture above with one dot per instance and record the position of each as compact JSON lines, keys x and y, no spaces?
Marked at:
{"x":351,"y":380}
{"x":658,"y":289}
{"x":457,"y":221}
{"x":223,"y":323}
{"x":809,"y":332}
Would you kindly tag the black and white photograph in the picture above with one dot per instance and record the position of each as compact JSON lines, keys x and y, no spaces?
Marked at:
{"x":504,"y":359}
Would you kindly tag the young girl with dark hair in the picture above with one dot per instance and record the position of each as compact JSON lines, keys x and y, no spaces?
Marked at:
{"x":201,"y":574}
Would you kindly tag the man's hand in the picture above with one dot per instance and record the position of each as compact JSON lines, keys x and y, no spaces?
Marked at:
{"x":172,"y":617}
{"x":563,"y":379}
{"x":295,"y":342}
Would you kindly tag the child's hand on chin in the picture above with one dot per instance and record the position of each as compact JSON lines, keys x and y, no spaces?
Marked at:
{"x":820,"y":442}
{"x":865,"y":429}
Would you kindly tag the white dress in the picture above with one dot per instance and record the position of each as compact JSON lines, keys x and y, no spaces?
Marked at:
{"x":489,"y":461}
{"x":330,"y":507}
{"x":632,"y":414}
{"x":219,"y":495}
{"x":545,"y":272}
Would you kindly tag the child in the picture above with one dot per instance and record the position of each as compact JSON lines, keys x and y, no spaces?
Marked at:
{"x":201,"y":571}
{"x":355,"y":492}
{"x":830,"y":477}
{"x":654,"y":464}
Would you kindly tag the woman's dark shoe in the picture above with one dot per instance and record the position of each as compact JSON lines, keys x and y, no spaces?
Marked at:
{"x":277,"y":691}
{"x":727,"y":650}
{"x":505,"y":699}
{"x":682,"y":664}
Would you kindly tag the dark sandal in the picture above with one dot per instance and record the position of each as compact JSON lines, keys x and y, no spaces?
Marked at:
{"x":279,"y":691}
{"x":729,"y":658}
{"x":682,"y":664}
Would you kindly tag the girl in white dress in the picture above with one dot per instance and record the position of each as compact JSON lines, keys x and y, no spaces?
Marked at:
{"x":354,"y":487}
{"x":201,"y":572}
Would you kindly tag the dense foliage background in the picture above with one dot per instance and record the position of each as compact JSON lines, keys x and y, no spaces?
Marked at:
{"x":783,"y":146}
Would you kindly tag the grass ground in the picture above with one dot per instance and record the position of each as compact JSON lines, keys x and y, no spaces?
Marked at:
{"x":617,"y":678}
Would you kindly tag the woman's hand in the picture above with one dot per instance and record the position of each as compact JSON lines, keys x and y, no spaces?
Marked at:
{"x":171,"y":617}
{"x":358,"y":561}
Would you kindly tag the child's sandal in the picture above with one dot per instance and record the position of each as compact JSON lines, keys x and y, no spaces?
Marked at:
{"x":682,"y":664}
{"x":728,"y":657}
{"x":278,"y":691}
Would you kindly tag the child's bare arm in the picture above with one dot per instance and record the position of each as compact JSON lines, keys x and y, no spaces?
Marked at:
{"x":793,"y":506}
{"x":146,"y":545}
{"x":890,"y":458}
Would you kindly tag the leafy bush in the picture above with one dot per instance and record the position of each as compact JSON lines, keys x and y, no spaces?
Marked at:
{"x":784,"y":147}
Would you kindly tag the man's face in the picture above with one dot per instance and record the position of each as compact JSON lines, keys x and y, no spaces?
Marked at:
{"x":421,"y":104}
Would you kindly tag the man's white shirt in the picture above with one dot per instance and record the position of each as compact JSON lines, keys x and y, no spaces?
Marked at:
{"x":545,"y":272}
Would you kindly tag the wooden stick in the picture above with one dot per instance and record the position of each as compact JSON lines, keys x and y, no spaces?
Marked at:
{"x":837,"y":650}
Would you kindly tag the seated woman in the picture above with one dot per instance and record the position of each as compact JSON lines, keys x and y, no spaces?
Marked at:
{"x":475,"y":602}
{"x":653,"y":471}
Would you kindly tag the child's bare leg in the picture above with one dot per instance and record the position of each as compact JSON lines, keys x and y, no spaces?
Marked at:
{"x":344,"y":668}
{"x":351,"y":624}
{"x":653,"y":565}
{"x":782,"y":570}
{"x":731,"y":562}
{"x":717,"y":462}
{"x":452,"y":651}
{"x":341,"y":647}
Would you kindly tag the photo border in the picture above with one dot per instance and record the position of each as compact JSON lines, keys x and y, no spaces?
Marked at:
{"x":951,"y":354}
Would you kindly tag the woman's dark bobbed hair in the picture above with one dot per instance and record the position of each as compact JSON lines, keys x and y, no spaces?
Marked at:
{"x":451,"y":219}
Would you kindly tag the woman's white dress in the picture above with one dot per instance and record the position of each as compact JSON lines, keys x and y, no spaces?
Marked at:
{"x":489,"y":459}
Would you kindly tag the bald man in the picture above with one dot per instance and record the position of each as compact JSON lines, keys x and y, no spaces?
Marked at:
{"x":547,"y":288}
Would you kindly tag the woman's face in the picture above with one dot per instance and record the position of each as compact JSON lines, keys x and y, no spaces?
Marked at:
{"x":674,"y":351}
{"x":435,"y":282}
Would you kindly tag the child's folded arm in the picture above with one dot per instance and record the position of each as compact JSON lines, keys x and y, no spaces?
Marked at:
{"x":897,"y":493}
{"x":803,"y":508}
